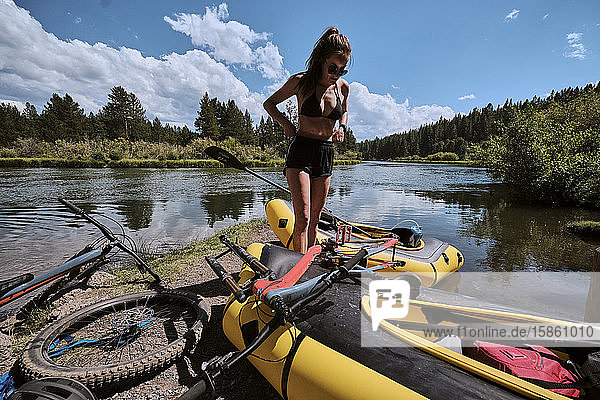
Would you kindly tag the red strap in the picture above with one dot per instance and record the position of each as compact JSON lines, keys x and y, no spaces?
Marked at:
{"x":262,"y":286}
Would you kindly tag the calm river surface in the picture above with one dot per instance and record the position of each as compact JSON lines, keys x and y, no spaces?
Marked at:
{"x":515,"y":253}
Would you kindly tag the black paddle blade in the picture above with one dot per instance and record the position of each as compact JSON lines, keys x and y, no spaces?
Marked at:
{"x":224,"y":156}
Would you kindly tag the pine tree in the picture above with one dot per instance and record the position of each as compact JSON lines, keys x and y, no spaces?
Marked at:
{"x":206,"y":122}
{"x":62,"y":118}
{"x":232,"y":123}
{"x":156,"y":130}
{"x":123,"y":115}
{"x":248,"y":126}
{"x":30,"y":116}
{"x":10,"y":124}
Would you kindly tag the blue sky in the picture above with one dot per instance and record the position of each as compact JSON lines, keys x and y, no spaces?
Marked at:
{"x":413,"y":61}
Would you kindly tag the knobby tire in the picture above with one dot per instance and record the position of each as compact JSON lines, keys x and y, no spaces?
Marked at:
{"x":177,"y":325}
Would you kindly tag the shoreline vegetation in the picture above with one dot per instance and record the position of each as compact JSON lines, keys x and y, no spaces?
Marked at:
{"x":137,"y":163}
{"x":548,"y":149}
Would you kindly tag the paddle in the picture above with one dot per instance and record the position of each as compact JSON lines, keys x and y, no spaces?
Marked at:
{"x":230,"y":160}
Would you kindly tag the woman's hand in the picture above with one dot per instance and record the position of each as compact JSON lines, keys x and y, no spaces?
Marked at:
{"x":338,"y":135}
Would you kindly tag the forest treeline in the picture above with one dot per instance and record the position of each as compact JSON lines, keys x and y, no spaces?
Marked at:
{"x":458,"y":134}
{"x":63,"y":123}
{"x":548,"y":148}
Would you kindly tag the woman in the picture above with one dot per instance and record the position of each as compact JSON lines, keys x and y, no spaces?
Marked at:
{"x":322,"y":100}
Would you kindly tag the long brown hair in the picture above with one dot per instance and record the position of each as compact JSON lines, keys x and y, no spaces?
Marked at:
{"x":330,"y":43}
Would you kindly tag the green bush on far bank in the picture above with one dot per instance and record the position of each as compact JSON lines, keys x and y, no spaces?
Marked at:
{"x":551,"y":154}
{"x":440,"y":157}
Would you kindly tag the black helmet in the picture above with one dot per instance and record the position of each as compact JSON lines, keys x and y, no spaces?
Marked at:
{"x":52,"y":388}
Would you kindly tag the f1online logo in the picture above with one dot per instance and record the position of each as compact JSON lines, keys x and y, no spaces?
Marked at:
{"x":389,"y":299}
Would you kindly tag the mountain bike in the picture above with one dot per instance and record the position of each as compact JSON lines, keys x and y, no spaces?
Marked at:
{"x":284,"y":296}
{"x":79,"y":267}
{"x":116,"y":339}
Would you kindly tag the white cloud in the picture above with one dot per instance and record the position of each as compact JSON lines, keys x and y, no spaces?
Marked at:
{"x":34,"y":64}
{"x":230,"y":42}
{"x":467,"y":97}
{"x":576,"y":49}
{"x":512,"y":15}
{"x":372,"y":114}
{"x":20,"y":105}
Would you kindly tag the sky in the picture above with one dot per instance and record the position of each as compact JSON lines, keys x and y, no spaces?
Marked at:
{"x":413,"y":61}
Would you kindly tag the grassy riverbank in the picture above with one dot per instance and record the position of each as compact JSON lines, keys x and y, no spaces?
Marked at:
{"x":16,"y":162}
{"x":585,"y":228}
{"x":425,"y":161}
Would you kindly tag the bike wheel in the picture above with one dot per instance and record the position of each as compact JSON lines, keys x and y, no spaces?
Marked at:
{"x":118,"y":339}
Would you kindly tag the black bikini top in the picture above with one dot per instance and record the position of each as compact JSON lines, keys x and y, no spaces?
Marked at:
{"x":312,"y":107}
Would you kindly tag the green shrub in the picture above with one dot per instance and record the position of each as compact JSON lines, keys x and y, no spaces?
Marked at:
{"x":551,"y":154}
{"x":591,"y":228}
{"x":172,"y":154}
{"x":7,"y":153}
{"x":99,"y":156}
{"x":443,"y":156}
{"x":115,"y":155}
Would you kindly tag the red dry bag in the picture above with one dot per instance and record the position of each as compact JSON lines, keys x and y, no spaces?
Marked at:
{"x":535,"y":364}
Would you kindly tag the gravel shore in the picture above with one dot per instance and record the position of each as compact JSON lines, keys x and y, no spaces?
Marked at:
{"x":243,"y":382}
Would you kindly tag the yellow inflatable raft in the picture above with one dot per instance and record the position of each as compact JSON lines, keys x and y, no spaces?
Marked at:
{"x":322,"y":356}
{"x":432,"y":260}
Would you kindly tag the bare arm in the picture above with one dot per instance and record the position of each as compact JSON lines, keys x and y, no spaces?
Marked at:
{"x":283,"y":93}
{"x":338,"y":136}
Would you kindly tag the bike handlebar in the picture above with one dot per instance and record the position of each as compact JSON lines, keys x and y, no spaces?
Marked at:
{"x":71,"y":206}
{"x":78,"y":211}
{"x":348,"y":265}
{"x":226,"y":278}
{"x":278,"y":305}
{"x":111,"y":237}
{"x":246,"y":257}
{"x":141,"y":263}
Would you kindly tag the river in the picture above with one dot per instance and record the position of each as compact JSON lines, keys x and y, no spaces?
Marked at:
{"x":499,"y":236}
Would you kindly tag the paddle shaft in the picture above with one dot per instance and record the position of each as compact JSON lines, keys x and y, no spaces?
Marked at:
{"x":288,"y":192}
{"x":248,"y":170}
{"x":230,"y":160}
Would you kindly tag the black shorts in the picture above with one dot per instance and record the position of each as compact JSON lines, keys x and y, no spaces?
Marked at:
{"x":311,"y":155}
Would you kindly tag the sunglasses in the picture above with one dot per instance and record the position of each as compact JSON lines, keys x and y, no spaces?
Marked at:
{"x":335,"y":70}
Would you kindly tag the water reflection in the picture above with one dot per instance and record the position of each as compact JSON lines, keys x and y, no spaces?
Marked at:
{"x":459,"y":205}
{"x":517,"y":235}
{"x":226,"y":205}
{"x":137,"y":213}
{"x":269,"y":194}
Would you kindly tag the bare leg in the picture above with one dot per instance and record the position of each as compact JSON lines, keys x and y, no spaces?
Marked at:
{"x":319,"y":187}
{"x":299,"y":183}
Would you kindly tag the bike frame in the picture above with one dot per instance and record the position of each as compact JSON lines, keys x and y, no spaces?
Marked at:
{"x":282,"y":295}
{"x":84,"y":257}
{"x":55,"y":273}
